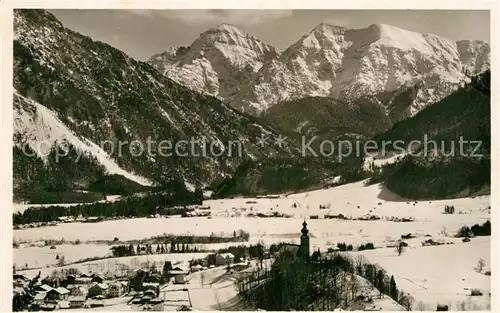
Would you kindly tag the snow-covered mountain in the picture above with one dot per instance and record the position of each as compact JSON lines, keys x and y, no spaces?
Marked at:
{"x":401,"y":70}
{"x":217,"y":63}
{"x":75,"y":93}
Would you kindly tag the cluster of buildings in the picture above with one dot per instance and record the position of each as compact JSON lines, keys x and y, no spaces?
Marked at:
{"x":75,"y":291}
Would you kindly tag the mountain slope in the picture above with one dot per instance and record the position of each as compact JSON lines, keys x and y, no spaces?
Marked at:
{"x":328,"y":118}
{"x":216,"y":63}
{"x":444,"y":167}
{"x":98,"y":99}
{"x":465,"y":113}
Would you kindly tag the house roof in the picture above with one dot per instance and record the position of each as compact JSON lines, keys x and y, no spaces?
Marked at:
{"x":103,"y":286}
{"x":227,"y":255}
{"x":46,"y":287}
{"x":177,"y":272}
{"x":40,"y":296}
{"x":62,"y":290}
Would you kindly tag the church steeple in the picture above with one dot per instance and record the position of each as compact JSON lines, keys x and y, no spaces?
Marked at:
{"x":304,"y":242}
{"x":304,"y":230}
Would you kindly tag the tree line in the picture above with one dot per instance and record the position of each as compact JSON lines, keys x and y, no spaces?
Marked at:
{"x":161,"y":203}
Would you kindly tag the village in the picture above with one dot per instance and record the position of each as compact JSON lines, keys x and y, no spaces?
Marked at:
{"x":142,"y":288}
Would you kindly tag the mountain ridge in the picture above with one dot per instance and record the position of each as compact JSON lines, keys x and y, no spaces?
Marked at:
{"x":347,"y":64}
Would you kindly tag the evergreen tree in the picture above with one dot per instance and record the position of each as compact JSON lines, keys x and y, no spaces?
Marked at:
{"x":380,"y":284}
{"x":393,"y":290}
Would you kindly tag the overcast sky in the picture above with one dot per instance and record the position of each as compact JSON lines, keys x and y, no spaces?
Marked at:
{"x":142,"y":33}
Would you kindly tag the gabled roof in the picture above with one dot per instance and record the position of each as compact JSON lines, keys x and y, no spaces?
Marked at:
{"x":40,"y":296}
{"x":227,"y":255}
{"x":62,"y":290}
{"x":46,"y":287}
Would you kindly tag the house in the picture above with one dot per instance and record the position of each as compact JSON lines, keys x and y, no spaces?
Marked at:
{"x":180,"y":276}
{"x":109,"y":276}
{"x":97,"y":290}
{"x":77,"y":290}
{"x":58,"y":294}
{"x":40,"y":298}
{"x":44,"y":288}
{"x":65,"y":219}
{"x":76,"y":301}
{"x":155,"y":287}
{"x":70,"y":279}
{"x":83,"y":280}
{"x":124,"y":286}
{"x":224,"y":259}
{"x":115,"y":290}
{"x":97,"y":279}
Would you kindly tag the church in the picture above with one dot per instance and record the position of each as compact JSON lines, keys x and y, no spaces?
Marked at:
{"x":301,"y":251}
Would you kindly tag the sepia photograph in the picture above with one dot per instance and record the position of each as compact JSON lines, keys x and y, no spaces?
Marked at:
{"x":251,"y":160}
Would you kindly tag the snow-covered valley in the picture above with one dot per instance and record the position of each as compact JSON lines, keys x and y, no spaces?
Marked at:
{"x":423,"y":271}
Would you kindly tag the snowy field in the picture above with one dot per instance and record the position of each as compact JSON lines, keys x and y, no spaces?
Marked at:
{"x":115,"y":264}
{"x":439,"y":274}
{"x":431,"y":274}
{"x":36,"y":257}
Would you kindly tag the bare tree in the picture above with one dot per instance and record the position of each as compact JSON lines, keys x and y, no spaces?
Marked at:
{"x":400,"y":247}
